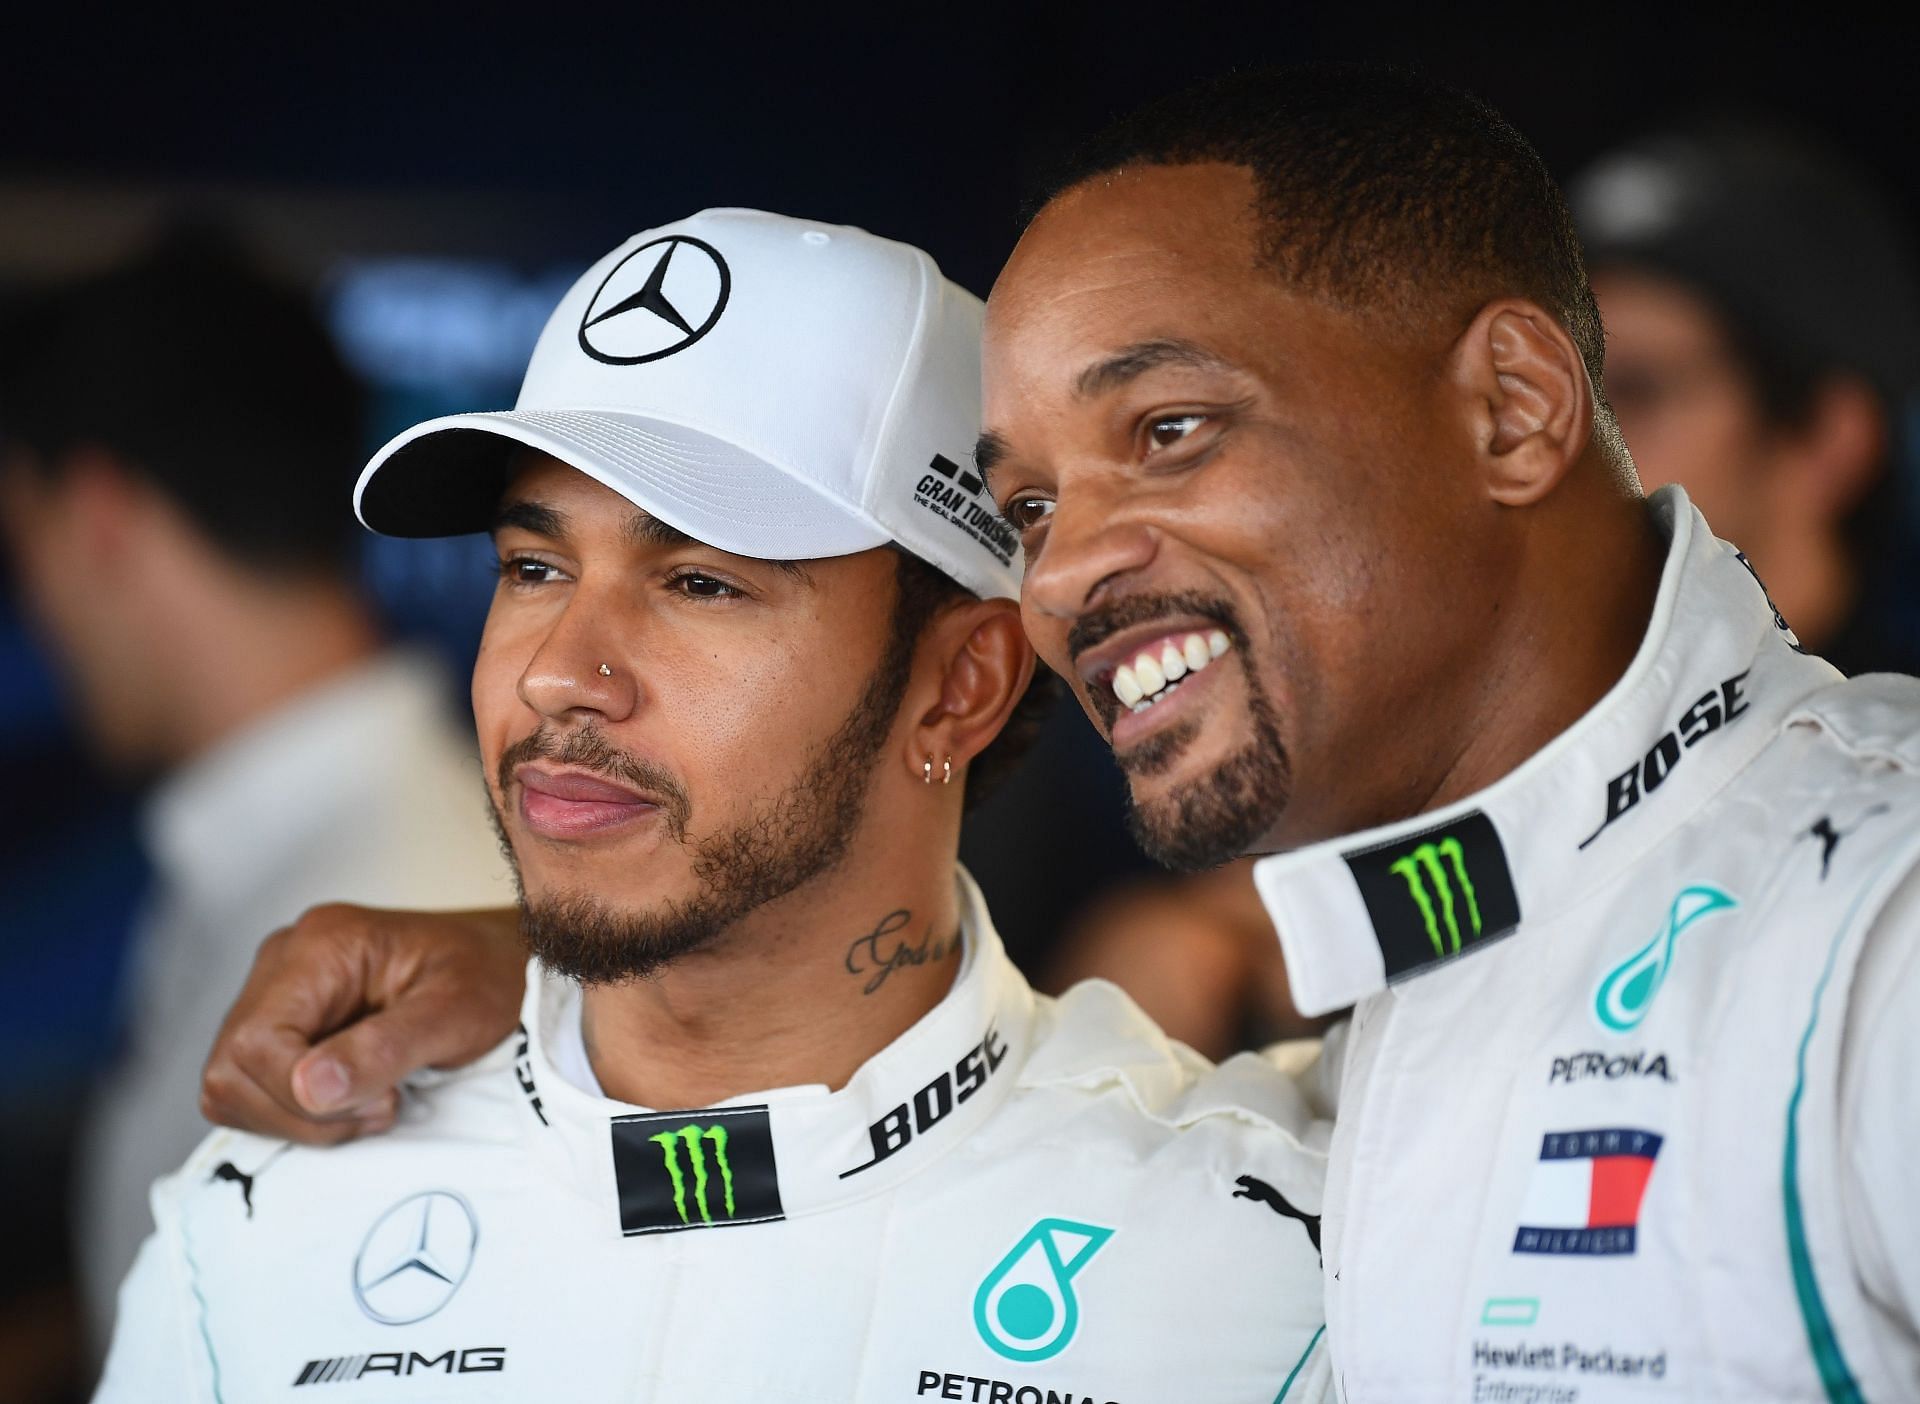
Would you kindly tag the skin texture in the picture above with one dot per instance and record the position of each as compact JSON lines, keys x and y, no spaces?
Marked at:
{"x":725,"y":678}
{"x":1690,"y":415}
{"x":1434,"y":566}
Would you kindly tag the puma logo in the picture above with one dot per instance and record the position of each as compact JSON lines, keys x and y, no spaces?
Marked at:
{"x":1254,"y":1188}
{"x":1822,"y":829}
{"x":227,"y":1170}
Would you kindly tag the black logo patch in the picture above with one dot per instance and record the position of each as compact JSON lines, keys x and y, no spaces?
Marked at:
{"x":658,"y":300}
{"x":709,"y":1168}
{"x":1434,"y":893}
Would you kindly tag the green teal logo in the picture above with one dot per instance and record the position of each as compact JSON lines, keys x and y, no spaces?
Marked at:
{"x":1423,"y":865}
{"x":696,"y":1139}
{"x":1510,"y":1311}
{"x":1026,"y":1309}
{"x":1626,"y":992}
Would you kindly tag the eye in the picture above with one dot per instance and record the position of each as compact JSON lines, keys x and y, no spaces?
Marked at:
{"x":525,"y":570}
{"x":702,"y":587}
{"x":1026,"y":513}
{"x":1168,"y":431}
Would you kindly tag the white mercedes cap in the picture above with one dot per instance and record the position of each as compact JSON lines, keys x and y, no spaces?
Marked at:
{"x":774,"y":387}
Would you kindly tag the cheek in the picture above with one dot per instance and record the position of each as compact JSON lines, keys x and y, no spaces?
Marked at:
{"x":499,"y":716}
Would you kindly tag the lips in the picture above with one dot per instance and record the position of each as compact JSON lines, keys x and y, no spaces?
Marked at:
{"x":571,"y":805}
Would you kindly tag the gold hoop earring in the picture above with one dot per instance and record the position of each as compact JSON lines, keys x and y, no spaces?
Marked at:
{"x":926,"y":771}
{"x":946,"y":777}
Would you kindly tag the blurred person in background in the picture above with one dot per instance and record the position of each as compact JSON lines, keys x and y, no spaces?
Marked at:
{"x":176,"y":441}
{"x":1762,"y":310}
{"x":1763,"y":350}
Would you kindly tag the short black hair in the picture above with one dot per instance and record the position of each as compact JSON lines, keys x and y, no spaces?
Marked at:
{"x":1379,"y":189}
{"x":210,"y":378}
{"x":922,"y":592}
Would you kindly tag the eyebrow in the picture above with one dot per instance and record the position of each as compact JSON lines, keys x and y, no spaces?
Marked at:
{"x":989,"y":451}
{"x":641,"y":528}
{"x":1135,"y":361}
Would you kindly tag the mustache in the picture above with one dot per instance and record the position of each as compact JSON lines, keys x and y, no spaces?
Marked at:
{"x":1096,"y":626}
{"x":587,"y":749}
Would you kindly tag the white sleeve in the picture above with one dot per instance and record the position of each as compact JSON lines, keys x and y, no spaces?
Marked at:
{"x":150,"y":1357}
{"x":1880,"y":1110}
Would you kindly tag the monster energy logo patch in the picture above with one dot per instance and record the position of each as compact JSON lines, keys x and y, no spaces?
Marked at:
{"x":1433,"y":894}
{"x":711,"y":1168}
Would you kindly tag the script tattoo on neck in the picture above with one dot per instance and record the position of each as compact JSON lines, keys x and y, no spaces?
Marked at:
{"x":884,"y":950}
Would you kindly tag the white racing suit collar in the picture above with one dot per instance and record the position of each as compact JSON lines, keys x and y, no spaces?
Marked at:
{"x":777,"y":1154}
{"x":1717,"y":672}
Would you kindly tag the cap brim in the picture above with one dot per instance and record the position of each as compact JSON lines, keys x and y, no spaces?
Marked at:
{"x":445,"y":478}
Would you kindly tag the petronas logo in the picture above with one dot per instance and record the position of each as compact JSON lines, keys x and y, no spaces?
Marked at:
{"x":1426,"y":872}
{"x":694,"y":1141}
{"x":1626,"y":992}
{"x":1026,"y":1308}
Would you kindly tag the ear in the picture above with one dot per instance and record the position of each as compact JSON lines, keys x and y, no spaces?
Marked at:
{"x":1832,"y":460}
{"x":1529,"y":402}
{"x":976,"y":663}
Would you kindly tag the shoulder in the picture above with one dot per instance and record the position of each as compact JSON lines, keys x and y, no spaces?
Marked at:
{"x":1098,"y":1061}
{"x":1874,"y":718}
{"x":275,"y":1186}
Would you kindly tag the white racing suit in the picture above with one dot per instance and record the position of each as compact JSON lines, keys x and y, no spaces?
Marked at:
{"x":1630,"y":1102}
{"x":1020,"y":1201}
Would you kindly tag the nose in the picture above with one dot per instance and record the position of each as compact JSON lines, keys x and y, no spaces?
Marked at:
{"x":580,"y":672}
{"x":1088,"y":550}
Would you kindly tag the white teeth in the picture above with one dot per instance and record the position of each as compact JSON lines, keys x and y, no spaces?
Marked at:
{"x":1147,"y":679}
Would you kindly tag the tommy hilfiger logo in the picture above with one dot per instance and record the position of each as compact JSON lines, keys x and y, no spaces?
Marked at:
{"x":950,"y":491}
{"x":1585,"y":1194}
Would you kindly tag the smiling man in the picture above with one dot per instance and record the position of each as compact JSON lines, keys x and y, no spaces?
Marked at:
{"x":781,"y":1120}
{"x":1620,"y":882}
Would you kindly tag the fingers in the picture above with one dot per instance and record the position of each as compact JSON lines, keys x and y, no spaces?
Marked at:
{"x":344,"y":1004}
{"x":443,"y":1021}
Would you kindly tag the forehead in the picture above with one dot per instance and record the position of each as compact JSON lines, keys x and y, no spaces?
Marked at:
{"x":1122,"y":253}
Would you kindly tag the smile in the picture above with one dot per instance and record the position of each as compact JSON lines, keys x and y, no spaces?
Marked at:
{"x":1155,"y":672}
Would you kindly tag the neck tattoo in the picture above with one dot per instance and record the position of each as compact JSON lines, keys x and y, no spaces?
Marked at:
{"x":884,"y":950}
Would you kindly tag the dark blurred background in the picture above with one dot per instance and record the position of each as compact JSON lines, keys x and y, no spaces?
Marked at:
{"x":437,"y":180}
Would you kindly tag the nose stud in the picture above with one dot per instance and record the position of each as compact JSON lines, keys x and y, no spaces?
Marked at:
{"x":605,"y":671}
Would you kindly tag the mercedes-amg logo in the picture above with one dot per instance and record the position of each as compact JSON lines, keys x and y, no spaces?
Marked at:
{"x":415,"y":1257}
{"x":659,"y":299}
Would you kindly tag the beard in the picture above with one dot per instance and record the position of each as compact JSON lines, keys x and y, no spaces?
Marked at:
{"x":1219,"y":816}
{"x":800,"y":834}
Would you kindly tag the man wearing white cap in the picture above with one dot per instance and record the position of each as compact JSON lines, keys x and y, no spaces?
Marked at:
{"x":752,"y":644}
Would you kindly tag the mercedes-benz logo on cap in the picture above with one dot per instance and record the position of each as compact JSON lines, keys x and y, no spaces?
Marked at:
{"x":415,"y":1257}
{"x":659,"y":299}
